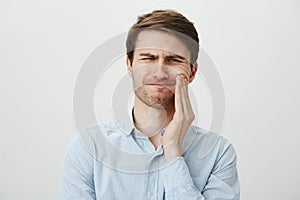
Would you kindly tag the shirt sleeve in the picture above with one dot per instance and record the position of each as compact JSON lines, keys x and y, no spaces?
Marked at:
{"x":222,"y":183}
{"x":77,"y":175}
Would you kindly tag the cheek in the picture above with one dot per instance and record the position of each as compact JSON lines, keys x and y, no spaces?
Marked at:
{"x":138,"y":73}
{"x":138,"y":76}
{"x":175,"y":71}
{"x":143,"y":72}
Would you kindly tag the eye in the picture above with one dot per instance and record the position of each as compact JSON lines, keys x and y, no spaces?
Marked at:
{"x":148,"y":58}
{"x":172,"y":59}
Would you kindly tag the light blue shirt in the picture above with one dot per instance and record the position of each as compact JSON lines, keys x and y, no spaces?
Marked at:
{"x":116,"y":161}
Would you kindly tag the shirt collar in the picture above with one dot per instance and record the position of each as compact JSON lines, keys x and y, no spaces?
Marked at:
{"x":130,"y":129}
{"x":128,"y":125}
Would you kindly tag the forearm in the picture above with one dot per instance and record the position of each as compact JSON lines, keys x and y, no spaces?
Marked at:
{"x":178,"y":181}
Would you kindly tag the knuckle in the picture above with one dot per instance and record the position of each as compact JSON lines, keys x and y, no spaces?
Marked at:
{"x":191,"y":117}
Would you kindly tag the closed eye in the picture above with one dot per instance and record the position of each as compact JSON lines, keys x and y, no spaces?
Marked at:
{"x":173,"y":59}
{"x":148,"y":58}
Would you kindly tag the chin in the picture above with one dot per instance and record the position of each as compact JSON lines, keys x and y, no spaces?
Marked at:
{"x":166,"y":103}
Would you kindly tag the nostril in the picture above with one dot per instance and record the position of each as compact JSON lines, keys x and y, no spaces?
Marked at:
{"x":160,"y":73}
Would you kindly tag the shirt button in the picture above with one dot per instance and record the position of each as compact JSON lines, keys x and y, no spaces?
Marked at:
{"x":150,"y":194}
{"x":162,"y":132}
{"x":166,"y":179}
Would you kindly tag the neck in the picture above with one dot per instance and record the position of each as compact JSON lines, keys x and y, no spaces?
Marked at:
{"x":150,"y":121}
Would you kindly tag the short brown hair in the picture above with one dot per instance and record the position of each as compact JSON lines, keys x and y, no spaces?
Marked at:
{"x":165,"y":20}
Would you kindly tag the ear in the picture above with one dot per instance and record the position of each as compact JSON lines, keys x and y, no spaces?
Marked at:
{"x":193,"y":72}
{"x":129,"y":66}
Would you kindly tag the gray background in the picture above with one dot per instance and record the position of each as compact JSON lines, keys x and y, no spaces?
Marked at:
{"x":255,"y":47}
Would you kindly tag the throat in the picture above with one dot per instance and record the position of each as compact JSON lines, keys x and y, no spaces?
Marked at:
{"x":155,"y":140}
{"x":151,"y":122}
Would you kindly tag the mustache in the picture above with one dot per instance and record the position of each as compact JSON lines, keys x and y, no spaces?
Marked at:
{"x":159,"y":82}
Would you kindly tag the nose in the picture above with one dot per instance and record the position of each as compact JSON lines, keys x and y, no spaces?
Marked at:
{"x":160,"y":71}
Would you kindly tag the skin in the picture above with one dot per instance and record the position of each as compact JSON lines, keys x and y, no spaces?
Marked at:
{"x":161,"y":73}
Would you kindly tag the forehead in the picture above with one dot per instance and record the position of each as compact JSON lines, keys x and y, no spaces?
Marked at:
{"x":160,"y":41}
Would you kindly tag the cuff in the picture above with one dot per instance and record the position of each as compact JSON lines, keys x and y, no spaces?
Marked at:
{"x":176,"y":174}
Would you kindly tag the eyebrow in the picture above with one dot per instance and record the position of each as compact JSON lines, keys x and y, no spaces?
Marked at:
{"x":147,"y":54}
{"x":172,"y":56}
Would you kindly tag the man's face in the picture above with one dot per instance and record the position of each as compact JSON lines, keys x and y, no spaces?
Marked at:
{"x":159,"y":57}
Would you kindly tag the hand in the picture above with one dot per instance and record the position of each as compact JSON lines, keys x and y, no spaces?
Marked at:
{"x":182,"y":119}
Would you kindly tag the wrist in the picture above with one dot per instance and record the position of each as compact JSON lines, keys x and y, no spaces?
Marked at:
{"x":172,"y":151}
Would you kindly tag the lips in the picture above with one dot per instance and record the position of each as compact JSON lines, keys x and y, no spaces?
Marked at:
{"x":160,"y":84}
{"x":155,"y":84}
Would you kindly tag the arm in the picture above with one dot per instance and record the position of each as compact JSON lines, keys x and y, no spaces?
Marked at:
{"x":178,"y":182}
{"x":223,"y":180}
{"x":222,"y":184}
{"x":77,"y":176}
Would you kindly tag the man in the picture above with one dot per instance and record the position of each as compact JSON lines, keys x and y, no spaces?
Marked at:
{"x":155,"y":154}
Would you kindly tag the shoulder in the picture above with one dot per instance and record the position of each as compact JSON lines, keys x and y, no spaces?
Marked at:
{"x":98,"y":139}
{"x":82,"y":143}
{"x":78,"y":157}
{"x":208,"y":152}
{"x":77,"y":148}
{"x":206,"y":142}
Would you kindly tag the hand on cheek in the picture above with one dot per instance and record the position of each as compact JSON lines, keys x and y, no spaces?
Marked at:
{"x":184,"y":72}
{"x":182,"y":119}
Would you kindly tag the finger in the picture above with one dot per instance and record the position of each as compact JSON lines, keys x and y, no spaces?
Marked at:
{"x":185,"y":72}
{"x":178,"y":95}
{"x":186,"y":104}
{"x":187,"y":110}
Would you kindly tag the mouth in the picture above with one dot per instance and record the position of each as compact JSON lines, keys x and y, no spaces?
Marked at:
{"x":160,"y":85}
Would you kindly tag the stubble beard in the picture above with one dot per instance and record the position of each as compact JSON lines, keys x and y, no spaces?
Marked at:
{"x":159,"y":100}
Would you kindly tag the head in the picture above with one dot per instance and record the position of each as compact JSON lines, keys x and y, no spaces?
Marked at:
{"x":160,"y":46}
